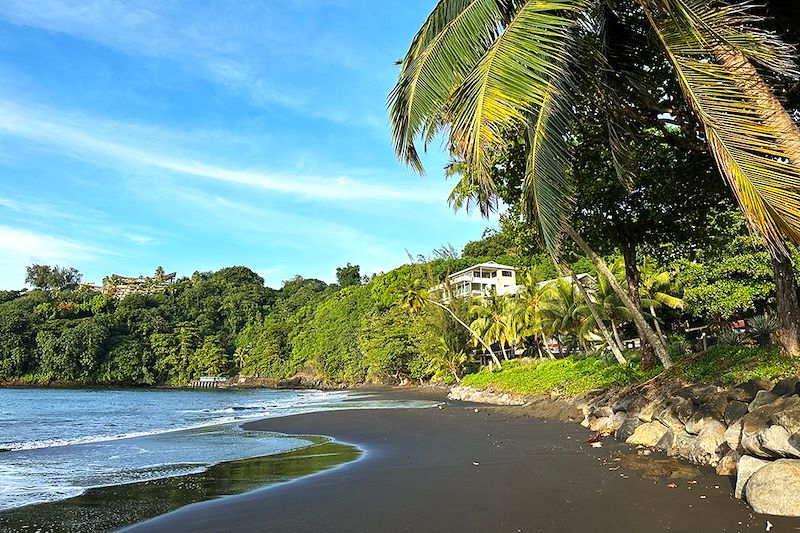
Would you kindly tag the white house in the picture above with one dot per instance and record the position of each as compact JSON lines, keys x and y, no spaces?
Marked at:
{"x":479,"y":280}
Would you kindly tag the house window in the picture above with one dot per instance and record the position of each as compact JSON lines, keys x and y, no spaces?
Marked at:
{"x":507,"y":273}
{"x":477,"y":287}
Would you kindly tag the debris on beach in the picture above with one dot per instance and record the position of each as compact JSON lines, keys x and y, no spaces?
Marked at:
{"x":769,"y":525}
{"x":672,"y":486}
{"x":597,"y":445}
{"x":476,"y":464}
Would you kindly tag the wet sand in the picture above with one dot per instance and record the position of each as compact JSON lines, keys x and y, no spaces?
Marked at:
{"x":454,"y":469}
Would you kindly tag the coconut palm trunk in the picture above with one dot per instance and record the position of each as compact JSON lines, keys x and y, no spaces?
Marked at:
{"x":616,"y":334}
{"x":657,"y":325}
{"x":636,"y":312}
{"x":475,"y":335}
{"x":599,"y":321}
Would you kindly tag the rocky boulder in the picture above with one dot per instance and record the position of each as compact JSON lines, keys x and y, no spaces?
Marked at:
{"x":787,"y":387}
{"x":734,"y":411}
{"x":745,"y":468}
{"x":709,"y":447}
{"x":746,"y":392}
{"x":627,"y":428}
{"x":756,"y":438}
{"x":763,"y":397}
{"x":727,"y":465}
{"x":708,"y":412}
{"x":682,"y":444}
{"x":775,"y":488}
{"x":647,"y":434}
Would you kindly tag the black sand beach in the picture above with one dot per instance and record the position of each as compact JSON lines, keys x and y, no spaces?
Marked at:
{"x":454,"y":469}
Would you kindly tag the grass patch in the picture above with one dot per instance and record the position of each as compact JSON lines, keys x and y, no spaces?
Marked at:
{"x":729,"y":365}
{"x":569,"y":375}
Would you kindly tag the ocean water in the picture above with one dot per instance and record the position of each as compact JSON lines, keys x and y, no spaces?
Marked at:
{"x":57,"y":444}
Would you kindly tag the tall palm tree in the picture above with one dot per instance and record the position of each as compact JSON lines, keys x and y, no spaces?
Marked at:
{"x":414,"y":297}
{"x":492,"y":321}
{"x":653,"y":290}
{"x":476,"y":67}
{"x":562,"y":316}
{"x":528,"y":316}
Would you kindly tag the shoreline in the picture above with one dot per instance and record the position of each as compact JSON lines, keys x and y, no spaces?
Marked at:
{"x":458,"y":469}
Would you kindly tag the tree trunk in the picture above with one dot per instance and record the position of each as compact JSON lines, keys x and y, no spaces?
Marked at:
{"x":616,"y":335}
{"x":657,"y":325}
{"x":547,"y":347}
{"x":636,"y":312}
{"x":477,"y":337}
{"x":787,"y":334}
{"x":633,"y":277}
{"x":599,"y":321}
{"x":503,"y":350}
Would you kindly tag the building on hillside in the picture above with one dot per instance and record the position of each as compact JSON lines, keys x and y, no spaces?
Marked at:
{"x":587,"y":280}
{"x":122,"y":286}
{"x":90,"y":286}
{"x":477,"y":281}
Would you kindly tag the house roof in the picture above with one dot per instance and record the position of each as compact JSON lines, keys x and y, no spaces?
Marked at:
{"x":581,"y":277}
{"x":491,"y":265}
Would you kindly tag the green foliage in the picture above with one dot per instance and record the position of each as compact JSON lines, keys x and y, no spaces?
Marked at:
{"x":348,"y":275}
{"x":51,"y":277}
{"x":570,"y":375}
{"x":730,"y":365}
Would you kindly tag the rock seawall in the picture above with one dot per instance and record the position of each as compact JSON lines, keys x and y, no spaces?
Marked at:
{"x":751,"y":431}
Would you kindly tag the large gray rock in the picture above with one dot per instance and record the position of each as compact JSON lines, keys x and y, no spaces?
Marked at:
{"x":775,"y":488}
{"x":682,"y":444}
{"x":704,"y":393}
{"x":734,"y":411}
{"x":709,"y":446}
{"x":648,"y":434}
{"x":733,"y":436}
{"x":773,"y":441}
{"x":755,"y":424}
{"x":614,"y":422}
{"x":727,"y":465}
{"x":666,"y":443}
{"x":746,"y":467}
{"x":787,"y":387}
{"x":789,"y":419}
{"x":746,"y":392}
{"x":763,"y":397}
{"x":597,"y":424}
{"x":627,"y":428}
{"x":708,"y":412}
{"x":675,"y":413}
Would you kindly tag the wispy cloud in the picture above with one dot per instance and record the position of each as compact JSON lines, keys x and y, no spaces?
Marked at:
{"x":85,"y":138}
{"x":238,"y":45}
{"x":19,"y":248}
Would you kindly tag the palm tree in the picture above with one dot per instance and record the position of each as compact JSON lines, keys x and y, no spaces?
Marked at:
{"x":590,"y":305}
{"x":477,"y":67}
{"x":609,"y":303}
{"x":561,"y":312}
{"x":492,"y":320}
{"x":527,"y":310}
{"x":653,"y":291}
{"x":415,"y":296}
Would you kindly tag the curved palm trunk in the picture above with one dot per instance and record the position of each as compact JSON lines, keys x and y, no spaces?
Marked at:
{"x":546,"y":347}
{"x":657,"y":325}
{"x":636,"y":313}
{"x":616,"y":334}
{"x":503,"y":351}
{"x":478,"y":337}
{"x":599,"y":321}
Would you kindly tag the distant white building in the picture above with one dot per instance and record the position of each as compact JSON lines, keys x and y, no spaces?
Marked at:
{"x":479,"y":280}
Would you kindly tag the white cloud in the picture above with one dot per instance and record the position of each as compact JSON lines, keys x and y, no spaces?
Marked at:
{"x":20,"y":248}
{"x":84,"y":138}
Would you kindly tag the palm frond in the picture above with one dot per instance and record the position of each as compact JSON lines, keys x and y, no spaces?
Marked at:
{"x":448,"y":45}
{"x":746,"y":128}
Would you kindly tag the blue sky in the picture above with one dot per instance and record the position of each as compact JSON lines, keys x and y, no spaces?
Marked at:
{"x":202,"y":134}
